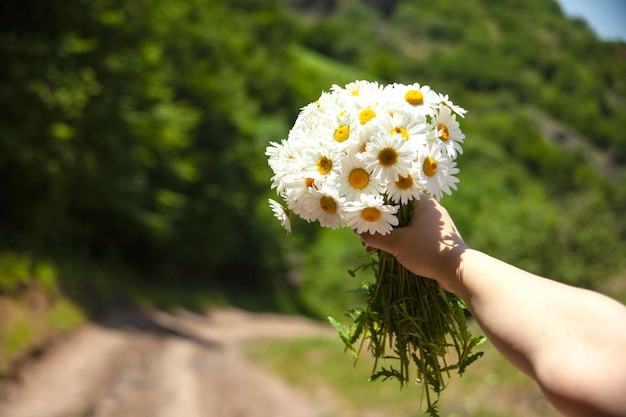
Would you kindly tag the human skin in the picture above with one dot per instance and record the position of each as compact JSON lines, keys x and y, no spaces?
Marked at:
{"x":570,"y":340}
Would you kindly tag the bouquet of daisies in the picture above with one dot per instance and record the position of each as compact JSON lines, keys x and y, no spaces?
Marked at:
{"x":358,"y":157}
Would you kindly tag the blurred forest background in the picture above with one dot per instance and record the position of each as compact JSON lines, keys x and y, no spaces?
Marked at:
{"x":132,"y":140}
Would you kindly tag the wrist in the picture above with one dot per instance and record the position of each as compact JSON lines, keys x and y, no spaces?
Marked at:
{"x":450,"y":276}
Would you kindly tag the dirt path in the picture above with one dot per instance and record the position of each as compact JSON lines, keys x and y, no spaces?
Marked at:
{"x":164,"y":365}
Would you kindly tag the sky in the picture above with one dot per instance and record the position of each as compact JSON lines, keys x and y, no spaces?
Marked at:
{"x":606,"y":17}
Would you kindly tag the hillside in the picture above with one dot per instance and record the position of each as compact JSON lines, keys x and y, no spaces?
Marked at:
{"x":542,"y":175}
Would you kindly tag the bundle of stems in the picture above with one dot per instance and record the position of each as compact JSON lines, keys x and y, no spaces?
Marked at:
{"x":413,"y":322}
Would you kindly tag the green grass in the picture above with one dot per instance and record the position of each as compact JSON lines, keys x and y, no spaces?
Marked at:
{"x":491,"y":387}
{"x":14,"y":270}
{"x":311,"y":362}
{"x":18,"y":336}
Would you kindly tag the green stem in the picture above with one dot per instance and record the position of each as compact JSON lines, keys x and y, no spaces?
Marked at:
{"x":419,"y":321}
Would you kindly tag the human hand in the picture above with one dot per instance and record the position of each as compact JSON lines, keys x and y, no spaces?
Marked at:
{"x":428,"y":246}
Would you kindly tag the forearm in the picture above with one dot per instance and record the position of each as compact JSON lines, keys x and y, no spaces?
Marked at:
{"x":550,"y":331}
{"x":508,"y":305}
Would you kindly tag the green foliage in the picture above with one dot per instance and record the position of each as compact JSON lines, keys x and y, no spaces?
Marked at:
{"x":18,"y":271}
{"x":14,"y":271}
{"x":133,"y":149}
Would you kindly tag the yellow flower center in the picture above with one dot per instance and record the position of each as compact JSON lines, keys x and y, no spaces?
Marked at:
{"x":404,"y":183}
{"x":366,"y":115}
{"x":445,"y":132}
{"x":388,"y":157}
{"x":430,"y":167}
{"x":324,"y":165}
{"x":359,"y":178}
{"x":342,"y":133}
{"x":309,"y":182}
{"x":401,"y":131}
{"x":370,"y":214}
{"x":414,"y":97}
{"x":328,"y":204}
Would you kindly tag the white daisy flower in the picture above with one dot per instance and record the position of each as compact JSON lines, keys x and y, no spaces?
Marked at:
{"x":340,"y":130}
{"x":363,"y":137}
{"x":277,"y":153}
{"x":371,"y":214}
{"x":313,"y":114}
{"x":367,"y":108}
{"x":283,"y":158}
{"x":355,"y":179}
{"x":388,"y":156}
{"x":306,"y":120}
{"x":406,"y":188}
{"x":296,"y":186}
{"x":410,"y":128}
{"x":325,"y":206}
{"x":324,"y":158}
{"x":282,"y":214}
{"x":359,"y":88}
{"x":323,"y":104}
{"x":437,"y":171}
{"x":273,"y":149}
{"x":447,"y":134}
{"x":421,"y":100}
{"x":447,"y":102}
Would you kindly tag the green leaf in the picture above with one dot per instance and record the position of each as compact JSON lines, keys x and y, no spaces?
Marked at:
{"x":386,"y":374}
{"x":345,"y":334}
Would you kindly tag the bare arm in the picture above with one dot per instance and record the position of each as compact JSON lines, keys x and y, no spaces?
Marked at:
{"x":571,"y":341}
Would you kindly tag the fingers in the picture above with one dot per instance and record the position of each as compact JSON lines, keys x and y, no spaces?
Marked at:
{"x":369,"y":241}
{"x":365,"y":245}
{"x":378,"y":241}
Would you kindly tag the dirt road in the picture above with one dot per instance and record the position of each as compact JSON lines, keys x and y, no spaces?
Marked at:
{"x":164,"y":365}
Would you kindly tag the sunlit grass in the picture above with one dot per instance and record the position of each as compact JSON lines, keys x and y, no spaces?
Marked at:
{"x":313,"y":362}
{"x":491,"y":387}
{"x":319,"y":72}
{"x":65,"y":315}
